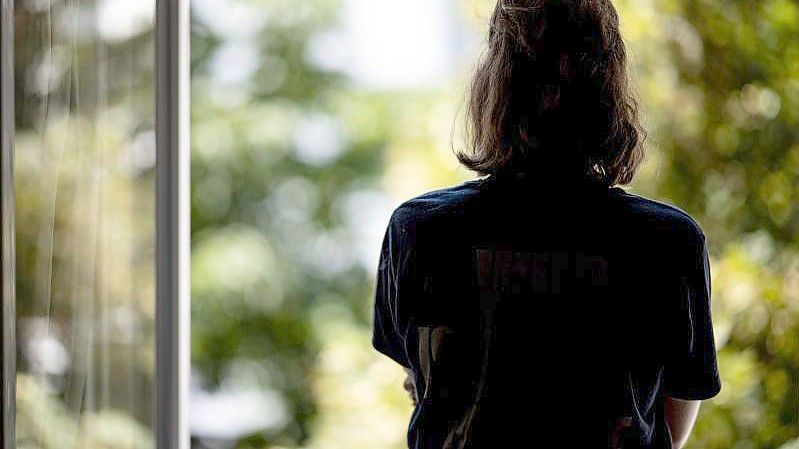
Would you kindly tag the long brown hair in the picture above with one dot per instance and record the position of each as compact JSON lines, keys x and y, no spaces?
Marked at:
{"x":551,"y":94}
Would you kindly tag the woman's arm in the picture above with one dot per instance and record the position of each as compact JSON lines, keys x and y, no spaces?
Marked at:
{"x":680,"y":416}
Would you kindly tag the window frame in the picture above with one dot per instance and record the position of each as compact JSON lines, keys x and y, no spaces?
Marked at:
{"x":172,"y":218}
{"x":8,"y":348}
{"x":173,"y":224}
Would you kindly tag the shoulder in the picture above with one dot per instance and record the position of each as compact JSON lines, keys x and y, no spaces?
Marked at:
{"x":662,"y":218}
{"x":436,"y":204}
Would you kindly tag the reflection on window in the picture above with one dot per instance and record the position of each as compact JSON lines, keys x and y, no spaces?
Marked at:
{"x":85,"y":150}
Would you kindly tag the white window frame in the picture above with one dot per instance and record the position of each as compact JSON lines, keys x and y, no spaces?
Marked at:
{"x":172,"y":226}
{"x":173,"y":223}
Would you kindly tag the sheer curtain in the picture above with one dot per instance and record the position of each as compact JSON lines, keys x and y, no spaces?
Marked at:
{"x":85,"y":223}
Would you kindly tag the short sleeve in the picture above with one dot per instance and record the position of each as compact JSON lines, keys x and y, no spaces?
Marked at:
{"x":387,"y":335}
{"x":691,"y":370}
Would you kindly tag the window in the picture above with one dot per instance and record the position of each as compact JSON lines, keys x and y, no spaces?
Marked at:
{"x":95,"y":223}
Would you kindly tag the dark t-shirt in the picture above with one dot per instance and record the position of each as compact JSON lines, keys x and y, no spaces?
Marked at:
{"x":529,"y":311}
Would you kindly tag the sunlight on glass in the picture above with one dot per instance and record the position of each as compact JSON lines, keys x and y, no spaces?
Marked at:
{"x":120,"y":20}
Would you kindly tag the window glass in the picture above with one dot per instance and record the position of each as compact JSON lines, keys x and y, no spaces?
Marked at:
{"x":85,"y":224}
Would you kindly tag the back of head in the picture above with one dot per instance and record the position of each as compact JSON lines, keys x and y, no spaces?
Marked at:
{"x":550,"y":94}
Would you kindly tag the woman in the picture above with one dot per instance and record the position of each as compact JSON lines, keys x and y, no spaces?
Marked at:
{"x":543,"y":301}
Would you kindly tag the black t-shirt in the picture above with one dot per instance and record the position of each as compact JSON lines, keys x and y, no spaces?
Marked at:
{"x":529,"y":311}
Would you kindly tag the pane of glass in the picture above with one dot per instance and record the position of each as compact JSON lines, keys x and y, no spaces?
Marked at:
{"x":85,"y":152}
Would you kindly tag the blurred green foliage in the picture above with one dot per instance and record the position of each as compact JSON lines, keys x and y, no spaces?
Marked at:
{"x":719,"y":82}
{"x":721,"y":85}
{"x":282,"y":280}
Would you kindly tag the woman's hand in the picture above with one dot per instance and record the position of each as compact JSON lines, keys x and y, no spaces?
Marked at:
{"x":410,"y":385}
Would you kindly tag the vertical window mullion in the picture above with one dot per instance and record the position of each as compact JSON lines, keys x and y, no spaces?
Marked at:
{"x":172,"y":224}
{"x":7,"y":277}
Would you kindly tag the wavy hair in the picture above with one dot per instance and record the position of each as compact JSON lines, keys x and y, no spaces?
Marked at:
{"x":550,"y":93}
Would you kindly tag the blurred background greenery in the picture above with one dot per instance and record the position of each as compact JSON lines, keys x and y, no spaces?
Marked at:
{"x":312,"y":120}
